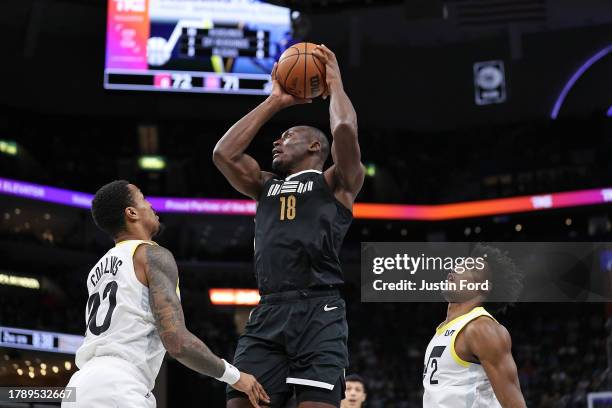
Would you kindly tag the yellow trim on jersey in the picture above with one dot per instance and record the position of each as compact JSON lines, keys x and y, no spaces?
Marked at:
{"x":453,"y":352}
{"x":442,"y":329}
{"x":138,"y":242}
{"x":471,"y":315}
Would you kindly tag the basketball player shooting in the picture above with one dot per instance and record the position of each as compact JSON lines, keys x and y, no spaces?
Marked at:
{"x":468,"y":362}
{"x":296,"y":339}
{"x":134,"y":313}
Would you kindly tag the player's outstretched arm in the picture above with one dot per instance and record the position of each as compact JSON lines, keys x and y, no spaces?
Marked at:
{"x":240,"y":169}
{"x":161,"y":273}
{"x":348,"y":170}
{"x":491,"y":343}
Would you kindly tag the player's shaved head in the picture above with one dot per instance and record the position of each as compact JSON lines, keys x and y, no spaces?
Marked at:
{"x":317,"y":135}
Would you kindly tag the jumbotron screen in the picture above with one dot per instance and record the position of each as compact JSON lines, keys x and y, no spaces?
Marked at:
{"x":219,"y":46}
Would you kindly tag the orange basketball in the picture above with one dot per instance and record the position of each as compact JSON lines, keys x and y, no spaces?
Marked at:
{"x":300,"y":73}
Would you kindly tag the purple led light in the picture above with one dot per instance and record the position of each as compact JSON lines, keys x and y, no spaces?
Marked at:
{"x":361,"y":210}
{"x":161,"y":204}
{"x":203,"y":206}
{"x":45,"y":193}
{"x":609,"y":114}
{"x":568,"y":86}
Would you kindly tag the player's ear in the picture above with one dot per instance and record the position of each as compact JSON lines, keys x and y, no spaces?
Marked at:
{"x":315,"y":146}
{"x":131,"y":213}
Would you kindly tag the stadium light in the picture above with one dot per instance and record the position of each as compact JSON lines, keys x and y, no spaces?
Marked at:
{"x":234,"y":297}
{"x":20,"y":281}
{"x":370,"y":170}
{"x":8,"y":147}
{"x":152,"y":163}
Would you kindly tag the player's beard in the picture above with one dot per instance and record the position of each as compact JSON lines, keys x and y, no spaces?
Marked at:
{"x":278,"y":167}
{"x":160,"y":230}
{"x":459,"y":296}
{"x":455,"y":296}
{"x":449,"y":296}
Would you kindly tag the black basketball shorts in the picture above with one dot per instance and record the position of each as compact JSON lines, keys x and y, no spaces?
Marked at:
{"x":296,"y":342}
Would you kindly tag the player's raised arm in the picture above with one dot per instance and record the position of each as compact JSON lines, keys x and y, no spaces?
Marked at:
{"x":349,"y":172}
{"x":240,"y":169}
{"x":491,"y":343}
{"x":162,"y":277}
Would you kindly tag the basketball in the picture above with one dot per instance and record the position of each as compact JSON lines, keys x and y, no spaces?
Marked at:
{"x":300,"y":73}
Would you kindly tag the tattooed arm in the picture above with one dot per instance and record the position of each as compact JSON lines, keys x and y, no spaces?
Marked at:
{"x":157,"y":266}
{"x":162,"y":276}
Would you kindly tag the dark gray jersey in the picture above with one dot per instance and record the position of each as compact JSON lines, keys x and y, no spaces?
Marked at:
{"x":299,"y":229}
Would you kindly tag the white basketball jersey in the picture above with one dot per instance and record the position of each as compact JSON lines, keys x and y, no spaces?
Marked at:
{"x":118,"y":318}
{"x":449,"y":381}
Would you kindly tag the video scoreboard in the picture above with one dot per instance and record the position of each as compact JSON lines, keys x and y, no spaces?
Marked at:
{"x":187,"y":82}
{"x":220,"y":46}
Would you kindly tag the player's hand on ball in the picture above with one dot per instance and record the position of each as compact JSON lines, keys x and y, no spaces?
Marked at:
{"x":249,"y":385}
{"x":333,"y":78}
{"x":281,"y":96}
